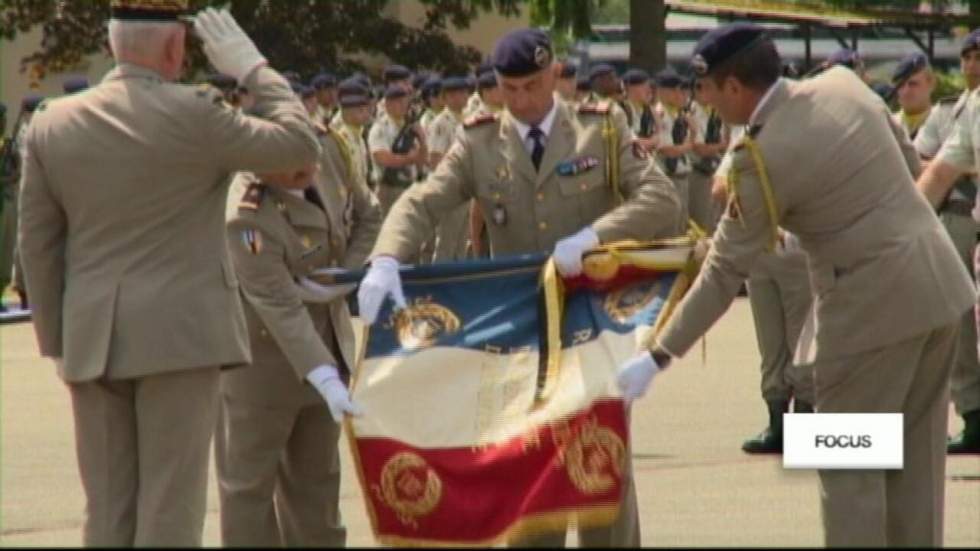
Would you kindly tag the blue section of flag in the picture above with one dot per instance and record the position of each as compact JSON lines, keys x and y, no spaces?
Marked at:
{"x":496,"y":306}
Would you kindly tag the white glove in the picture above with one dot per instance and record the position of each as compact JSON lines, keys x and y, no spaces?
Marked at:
{"x":635,"y":376}
{"x":382,"y":279}
{"x":311,"y":291}
{"x":227,"y":46}
{"x":327,"y":382}
{"x":568,"y":251}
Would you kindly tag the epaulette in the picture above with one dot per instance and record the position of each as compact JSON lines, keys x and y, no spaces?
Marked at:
{"x":479,"y":120}
{"x":253,"y":196}
{"x":597,"y":108}
{"x":948,"y":100}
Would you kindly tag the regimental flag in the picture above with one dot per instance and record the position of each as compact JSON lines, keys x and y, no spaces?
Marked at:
{"x":491,"y":405}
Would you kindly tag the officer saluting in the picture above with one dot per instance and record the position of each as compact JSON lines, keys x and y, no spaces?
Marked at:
{"x":538,"y":174}
{"x":123,"y":244}
{"x":848,"y":195}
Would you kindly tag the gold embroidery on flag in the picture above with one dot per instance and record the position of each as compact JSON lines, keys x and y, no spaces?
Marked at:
{"x":410,"y":487}
{"x":593,"y":457}
{"x":625,"y":302}
{"x":420,"y":325}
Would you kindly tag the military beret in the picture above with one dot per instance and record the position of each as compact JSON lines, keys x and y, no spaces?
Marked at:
{"x":668,"y":78}
{"x":457,"y":82}
{"x":74,"y":84}
{"x":486,"y":80}
{"x":302,"y":90}
{"x":351,"y":92}
{"x":484,"y":67}
{"x":582,"y":84}
{"x":971,"y":42}
{"x":908,"y":66}
{"x":600,"y":70}
{"x":522,"y":52}
{"x":147,"y":10}
{"x":419,"y":80}
{"x":221,"y":82}
{"x":394,"y":91}
{"x":844,"y":56}
{"x":635,"y":76}
{"x":721,"y":43}
{"x":396,"y":72}
{"x":30,"y":103}
{"x":884,"y":90}
{"x":568,"y":69}
{"x":363,"y":78}
{"x":431,"y":87}
{"x":324,"y":81}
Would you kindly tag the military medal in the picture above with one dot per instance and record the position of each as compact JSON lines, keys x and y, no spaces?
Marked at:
{"x":252,"y":240}
{"x":577,"y":166}
{"x":499,"y":215}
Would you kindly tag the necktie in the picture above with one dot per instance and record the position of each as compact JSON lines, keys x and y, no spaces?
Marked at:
{"x":537,"y":152}
{"x":312,"y":196}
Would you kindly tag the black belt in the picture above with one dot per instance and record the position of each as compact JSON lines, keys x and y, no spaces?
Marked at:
{"x":958,"y":206}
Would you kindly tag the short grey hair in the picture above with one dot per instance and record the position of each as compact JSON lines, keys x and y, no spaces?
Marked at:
{"x":143,"y":39}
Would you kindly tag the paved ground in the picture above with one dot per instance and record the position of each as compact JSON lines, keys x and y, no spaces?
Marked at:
{"x":696,"y":488}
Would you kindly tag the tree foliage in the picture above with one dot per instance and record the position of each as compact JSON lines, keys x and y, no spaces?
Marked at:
{"x":303,"y":35}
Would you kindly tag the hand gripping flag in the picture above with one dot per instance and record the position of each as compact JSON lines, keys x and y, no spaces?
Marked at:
{"x":491,"y":405}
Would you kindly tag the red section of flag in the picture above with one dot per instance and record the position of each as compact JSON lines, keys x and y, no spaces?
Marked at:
{"x":478,"y":495}
{"x":624,"y":276}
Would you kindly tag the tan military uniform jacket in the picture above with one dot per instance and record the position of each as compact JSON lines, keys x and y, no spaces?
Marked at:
{"x":528,"y":211}
{"x":275,"y":237}
{"x":440,"y":135}
{"x":122,"y":219}
{"x":358,"y":149}
{"x":882,"y":267}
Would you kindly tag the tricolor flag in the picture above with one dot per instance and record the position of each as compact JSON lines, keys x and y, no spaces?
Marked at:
{"x":491,"y":405}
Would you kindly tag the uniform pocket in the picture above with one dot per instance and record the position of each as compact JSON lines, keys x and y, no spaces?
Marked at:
{"x":581,"y":184}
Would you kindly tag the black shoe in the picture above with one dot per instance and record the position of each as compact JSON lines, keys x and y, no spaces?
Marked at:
{"x":769,"y":440}
{"x":967,"y":441}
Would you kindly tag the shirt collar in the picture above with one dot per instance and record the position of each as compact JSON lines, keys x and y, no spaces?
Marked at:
{"x":765,"y":99}
{"x":523,"y":129}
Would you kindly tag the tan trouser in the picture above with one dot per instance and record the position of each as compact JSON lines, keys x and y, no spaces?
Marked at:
{"x":894,"y":508}
{"x":452,"y":235}
{"x":623,"y":532}
{"x":278,"y":476}
{"x":966,"y":373}
{"x":142,"y":448}
{"x":702,"y":207}
{"x":779,"y":293}
{"x":682,"y":186}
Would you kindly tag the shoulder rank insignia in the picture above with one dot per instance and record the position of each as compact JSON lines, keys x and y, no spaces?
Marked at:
{"x":597,"y":108}
{"x":479,"y":120}
{"x":252,"y":198}
{"x":572,"y":167}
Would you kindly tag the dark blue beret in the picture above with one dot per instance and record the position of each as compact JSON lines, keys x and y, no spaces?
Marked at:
{"x":844,"y":56}
{"x":352,"y":92}
{"x":30,"y":103}
{"x":74,"y":84}
{"x":522,"y":52}
{"x":457,"y":82}
{"x":635,"y":76}
{"x":323,"y":81}
{"x":971,"y":42}
{"x":396,"y":72}
{"x":431,"y":86}
{"x":306,"y":92}
{"x":568,"y":69}
{"x":908,"y":66}
{"x":601,"y":69}
{"x":395,"y":91}
{"x":721,"y":43}
{"x":668,"y":78}
{"x":419,"y":80}
{"x":883,"y":89}
{"x":486,"y":80}
{"x":485,"y":67}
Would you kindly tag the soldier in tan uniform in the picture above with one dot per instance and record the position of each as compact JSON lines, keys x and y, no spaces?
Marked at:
{"x":913,"y":82}
{"x":889,"y":286}
{"x":381,"y":143}
{"x":638,"y":97}
{"x":711,"y":140}
{"x":122,"y":239}
{"x":956,"y":214}
{"x":451,"y":234}
{"x":675,"y":137}
{"x":354,"y":101}
{"x":276,"y":448}
{"x":538,"y":175}
{"x":325,"y":87}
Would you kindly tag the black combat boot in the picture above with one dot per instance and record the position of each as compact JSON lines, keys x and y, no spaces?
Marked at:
{"x":770,"y":440}
{"x":800,"y":406}
{"x":967,"y":441}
